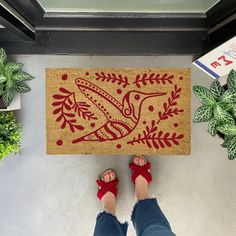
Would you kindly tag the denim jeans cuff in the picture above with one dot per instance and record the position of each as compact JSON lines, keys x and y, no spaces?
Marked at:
{"x":105,"y":213}
{"x":135,"y":206}
{"x":124,"y":226}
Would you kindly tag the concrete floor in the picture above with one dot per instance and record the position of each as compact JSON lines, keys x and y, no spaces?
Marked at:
{"x":55,"y":195}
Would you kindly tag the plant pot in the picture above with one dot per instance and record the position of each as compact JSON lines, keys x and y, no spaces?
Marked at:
{"x":220,"y":135}
{"x":15,"y":104}
{"x":2,"y":105}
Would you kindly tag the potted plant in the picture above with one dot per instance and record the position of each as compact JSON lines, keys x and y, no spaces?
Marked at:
{"x":219,"y":110}
{"x":10,"y":134}
{"x":12,"y":80}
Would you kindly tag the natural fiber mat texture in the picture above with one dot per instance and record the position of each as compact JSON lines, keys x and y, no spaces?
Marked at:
{"x":118,"y":111}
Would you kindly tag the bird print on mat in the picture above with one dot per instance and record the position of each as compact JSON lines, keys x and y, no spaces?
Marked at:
{"x":122,"y":117}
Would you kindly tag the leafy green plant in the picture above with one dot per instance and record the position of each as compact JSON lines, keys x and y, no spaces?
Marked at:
{"x":10,"y":134}
{"x":12,"y":78}
{"x":219,"y":110}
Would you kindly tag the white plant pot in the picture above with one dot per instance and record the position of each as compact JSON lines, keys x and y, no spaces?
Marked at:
{"x":15,"y":104}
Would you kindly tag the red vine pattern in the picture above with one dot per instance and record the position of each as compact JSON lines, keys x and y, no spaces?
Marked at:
{"x":112,"y":77}
{"x":152,"y":78}
{"x":66,"y":109}
{"x":82,"y":110}
{"x":169,"y":111}
{"x":158,"y":139}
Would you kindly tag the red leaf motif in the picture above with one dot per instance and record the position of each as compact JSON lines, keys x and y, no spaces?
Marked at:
{"x":56,"y":111}
{"x":167,"y":142}
{"x":161,"y":143}
{"x":155,"y":144}
{"x":175,"y":142}
{"x":69,"y":114}
{"x":79,"y":127}
{"x":57,"y":96}
{"x":165,"y":105}
{"x":160,"y":134}
{"x":112,"y":77}
{"x":70,"y":102}
{"x":162,"y":140}
{"x":151,"y":78}
{"x":63,"y":90}
{"x":172,"y":101}
{"x":68,"y":108}
{"x":164,"y":117}
{"x":166,"y":135}
{"x":72,"y":129}
{"x":59,"y":118}
{"x":63,"y":124}
{"x":180,"y":136}
{"x":148,"y":143}
{"x":55,"y":104}
{"x":72,"y":121}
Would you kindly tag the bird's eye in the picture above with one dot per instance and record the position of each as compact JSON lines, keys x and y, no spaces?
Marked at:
{"x":136,"y":97}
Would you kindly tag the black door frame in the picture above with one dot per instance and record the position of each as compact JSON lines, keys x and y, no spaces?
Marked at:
{"x":117,"y":33}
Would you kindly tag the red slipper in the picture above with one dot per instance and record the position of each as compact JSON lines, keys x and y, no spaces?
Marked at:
{"x":107,"y":187}
{"x":141,"y":170}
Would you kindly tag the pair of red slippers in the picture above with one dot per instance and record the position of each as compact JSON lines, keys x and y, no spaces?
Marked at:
{"x":112,"y":185}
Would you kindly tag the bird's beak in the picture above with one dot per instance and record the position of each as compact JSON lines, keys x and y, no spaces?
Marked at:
{"x":149,"y":95}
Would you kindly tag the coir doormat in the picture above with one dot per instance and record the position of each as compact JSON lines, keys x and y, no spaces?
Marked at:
{"x":118,"y":111}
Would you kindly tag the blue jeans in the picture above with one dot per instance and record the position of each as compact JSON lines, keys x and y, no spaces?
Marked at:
{"x":147,"y":218}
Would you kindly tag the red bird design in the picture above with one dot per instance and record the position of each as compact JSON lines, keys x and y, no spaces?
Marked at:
{"x":121,"y":118}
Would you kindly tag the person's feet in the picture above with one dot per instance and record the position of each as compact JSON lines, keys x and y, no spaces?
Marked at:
{"x":141,"y":185}
{"x":109,"y":200}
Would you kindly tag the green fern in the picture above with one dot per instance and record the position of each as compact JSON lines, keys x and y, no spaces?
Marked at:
{"x":234,"y":110}
{"x":1,"y":89}
{"x":227,"y":129}
{"x":7,"y":96}
{"x":3,"y":56}
{"x":22,"y":76}
{"x":223,"y":116}
{"x":21,"y":87}
{"x":232,"y":149}
{"x":227,"y":140}
{"x":212,"y":126}
{"x":205,"y":96}
{"x":203,"y":114}
{"x":13,"y":66}
{"x":219,"y":109}
{"x":216,"y":90}
{"x":226,"y":106}
{"x":231,"y":79}
{"x":2,"y":79}
{"x":229,"y":96}
{"x":11,"y":78}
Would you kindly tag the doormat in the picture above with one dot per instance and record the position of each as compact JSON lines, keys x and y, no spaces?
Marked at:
{"x":118,"y":111}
